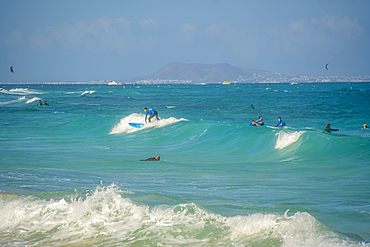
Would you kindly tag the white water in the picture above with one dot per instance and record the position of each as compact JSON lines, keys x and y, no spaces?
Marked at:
{"x":105,"y":216}
{"x":124,"y":127}
{"x":286,"y":139}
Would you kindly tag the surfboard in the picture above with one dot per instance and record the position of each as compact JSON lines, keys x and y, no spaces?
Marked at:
{"x":136,"y":125}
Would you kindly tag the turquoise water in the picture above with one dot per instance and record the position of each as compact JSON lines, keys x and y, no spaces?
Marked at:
{"x":70,"y":171}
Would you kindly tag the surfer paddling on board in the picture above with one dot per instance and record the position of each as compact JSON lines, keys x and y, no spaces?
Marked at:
{"x":280,"y":123}
{"x":152,"y":113}
{"x":156,"y":158}
{"x":328,"y":129}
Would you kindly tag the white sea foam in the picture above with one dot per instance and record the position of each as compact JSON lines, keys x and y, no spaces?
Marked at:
{"x":32,"y":100}
{"x":13,"y":101}
{"x":285,"y":139}
{"x":105,"y":217}
{"x":21,"y":91}
{"x":124,"y":127}
{"x":90,"y":92}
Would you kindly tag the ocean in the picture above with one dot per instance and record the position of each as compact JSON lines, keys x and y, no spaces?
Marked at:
{"x":71,"y":175}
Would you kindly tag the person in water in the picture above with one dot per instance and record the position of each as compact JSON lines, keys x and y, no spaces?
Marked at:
{"x":260,"y":121}
{"x":365,"y":127}
{"x":156,"y":158}
{"x":46,"y":103}
{"x":253,"y":123}
{"x":39,"y":103}
{"x":328,"y":129}
{"x":280,"y":123}
{"x":152,"y":113}
{"x":252,"y":107}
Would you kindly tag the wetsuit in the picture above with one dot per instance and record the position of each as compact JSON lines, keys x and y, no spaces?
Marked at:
{"x":328,"y":129}
{"x":152,"y":113}
{"x":150,"y":159}
{"x":260,"y":122}
{"x":280,"y":123}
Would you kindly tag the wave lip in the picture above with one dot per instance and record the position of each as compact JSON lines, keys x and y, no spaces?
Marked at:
{"x":286,"y":139}
{"x":124,"y":127}
{"x":32,"y":100}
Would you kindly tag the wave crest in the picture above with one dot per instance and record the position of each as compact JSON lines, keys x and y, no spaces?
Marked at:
{"x":104,"y":217}
{"x":285,"y":139}
{"x":21,"y":91}
{"x":124,"y":127}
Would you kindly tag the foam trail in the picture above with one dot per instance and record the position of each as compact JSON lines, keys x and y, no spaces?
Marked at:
{"x":90,"y":92}
{"x":32,"y":100}
{"x":13,"y":101}
{"x":285,"y":139}
{"x":21,"y":91}
{"x":124,"y":127}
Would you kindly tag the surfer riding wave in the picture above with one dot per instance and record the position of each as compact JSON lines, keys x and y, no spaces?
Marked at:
{"x":152,"y":113}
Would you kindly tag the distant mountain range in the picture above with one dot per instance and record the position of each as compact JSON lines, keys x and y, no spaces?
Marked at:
{"x":197,"y":72}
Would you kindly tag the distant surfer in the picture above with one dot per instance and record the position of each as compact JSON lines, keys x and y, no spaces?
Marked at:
{"x":152,"y":113}
{"x":46,"y":103}
{"x":328,"y":129}
{"x":253,"y":123}
{"x":280,"y":123}
{"x":156,"y":158}
{"x":260,"y":121}
{"x":39,"y":103}
{"x":365,"y":127}
{"x":252,"y":107}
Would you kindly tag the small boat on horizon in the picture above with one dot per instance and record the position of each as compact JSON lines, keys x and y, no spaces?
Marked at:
{"x":114,"y":83}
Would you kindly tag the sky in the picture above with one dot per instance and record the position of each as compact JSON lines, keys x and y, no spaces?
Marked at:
{"x":94,"y":40}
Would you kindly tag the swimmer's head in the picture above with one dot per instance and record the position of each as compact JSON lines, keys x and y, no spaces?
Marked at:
{"x":145,"y":109}
{"x":327,"y":125}
{"x":365,"y":125}
{"x":157,"y":157}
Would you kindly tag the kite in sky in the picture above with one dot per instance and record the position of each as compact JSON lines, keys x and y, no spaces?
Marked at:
{"x":12,"y":68}
{"x":326,"y":66}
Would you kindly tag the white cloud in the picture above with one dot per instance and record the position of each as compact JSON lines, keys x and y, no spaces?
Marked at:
{"x":187,"y":33}
{"x":149,"y":24}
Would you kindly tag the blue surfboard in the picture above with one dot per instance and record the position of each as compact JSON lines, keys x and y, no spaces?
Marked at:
{"x":136,"y":125}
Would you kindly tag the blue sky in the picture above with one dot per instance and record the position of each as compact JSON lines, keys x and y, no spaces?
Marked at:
{"x":112,"y":40}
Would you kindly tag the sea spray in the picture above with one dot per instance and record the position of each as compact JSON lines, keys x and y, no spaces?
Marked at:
{"x":106,"y":216}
